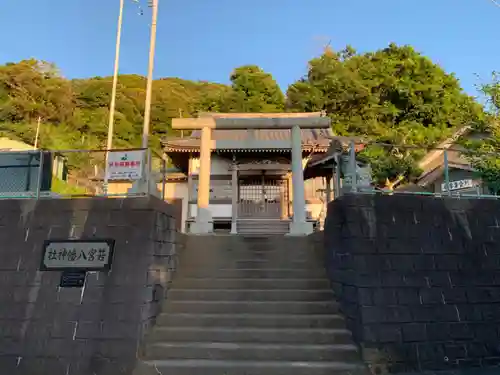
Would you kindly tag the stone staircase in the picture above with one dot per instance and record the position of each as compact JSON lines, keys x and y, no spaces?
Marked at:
{"x":262,"y":226}
{"x":249,"y":306}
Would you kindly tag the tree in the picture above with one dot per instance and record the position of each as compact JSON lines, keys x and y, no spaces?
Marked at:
{"x":252,"y":90}
{"x":393,"y":96}
{"x":75,"y":113}
{"x":483,"y":151}
{"x":31,"y":89}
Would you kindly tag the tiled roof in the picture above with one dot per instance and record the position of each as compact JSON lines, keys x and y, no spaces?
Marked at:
{"x":261,"y":115}
{"x":310,"y":137}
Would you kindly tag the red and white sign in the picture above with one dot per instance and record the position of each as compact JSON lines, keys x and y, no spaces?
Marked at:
{"x":125,"y":165}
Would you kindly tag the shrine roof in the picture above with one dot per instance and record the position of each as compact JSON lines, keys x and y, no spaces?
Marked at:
{"x":318,"y":139}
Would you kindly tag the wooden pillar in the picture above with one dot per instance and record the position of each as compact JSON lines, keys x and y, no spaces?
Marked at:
{"x":299,"y":225}
{"x":190,"y":186}
{"x":283,"y":198}
{"x":328,"y":189}
{"x":234,"y":199}
{"x":204,"y":223}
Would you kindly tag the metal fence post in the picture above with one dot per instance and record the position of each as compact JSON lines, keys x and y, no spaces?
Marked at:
{"x":40,"y":176}
{"x":163,"y":177}
{"x":149,"y":171}
{"x":106,"y":174}
{"x":352,"y":167}
{"x":446,"y":172}
{"x":337,"y":183}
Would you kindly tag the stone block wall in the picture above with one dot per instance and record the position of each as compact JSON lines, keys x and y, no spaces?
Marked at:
{"x":95,"y":330}
{"x":418,"y":279}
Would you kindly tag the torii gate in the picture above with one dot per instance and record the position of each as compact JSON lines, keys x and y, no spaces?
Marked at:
{"x":204,"y":222}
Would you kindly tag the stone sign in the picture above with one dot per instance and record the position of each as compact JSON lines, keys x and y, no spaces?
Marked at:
{"x":82,"y":255}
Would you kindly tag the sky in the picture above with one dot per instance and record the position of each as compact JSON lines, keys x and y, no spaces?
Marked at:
{"x":207,"y":39}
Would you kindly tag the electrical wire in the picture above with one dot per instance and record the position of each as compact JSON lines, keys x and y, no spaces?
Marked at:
{"x":496,"y":3}
{"x":141,"y":11}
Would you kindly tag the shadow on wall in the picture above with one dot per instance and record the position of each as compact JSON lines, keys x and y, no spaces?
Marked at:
{"x":418,"y":279}
{"x":45,"y":329}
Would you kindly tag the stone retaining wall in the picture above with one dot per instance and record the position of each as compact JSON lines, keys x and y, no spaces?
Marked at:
{"x":96,"y":330}
{"x":418,"y":279}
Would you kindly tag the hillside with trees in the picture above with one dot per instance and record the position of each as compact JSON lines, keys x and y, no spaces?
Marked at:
{"x":74,"y":113}
{"x":394,"y":96}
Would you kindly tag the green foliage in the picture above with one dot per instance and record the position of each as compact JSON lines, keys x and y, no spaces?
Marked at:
{"x":392,"y":164}
{"x":66,"y":189}
{"x":482,"y":152}
{"x":488,"y":169}
{"x":492,"y":93}
{"x":393,"y":95}
{"x":252,"y":90}
{"x":74,"y":113}
{"x":32,"y":88}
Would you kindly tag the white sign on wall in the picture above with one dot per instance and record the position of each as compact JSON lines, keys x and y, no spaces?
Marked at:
{"x":77,"y":255}
{"x":125,"y":165}
{"x":458,"y":185}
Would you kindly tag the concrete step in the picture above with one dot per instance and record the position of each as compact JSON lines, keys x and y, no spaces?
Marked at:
{"x":251,"y":320}
{"x":264,"y":262}
{"x":251,"y":307}
{"x":271,"y":273}
{"x":252,"y":283}
{"x":283,"y":250}
{"x":307,"y":295}
{"x":219,"y":367}
{"x":266,"y":241}
{"x":262,"y":226}
{"x":251,"y":351}
{"x":250,"y":335}
{"x":263,"y":230}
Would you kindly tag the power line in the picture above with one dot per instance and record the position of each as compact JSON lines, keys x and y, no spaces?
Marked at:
{"x":496,"y":3}
{"x":141,"y":11}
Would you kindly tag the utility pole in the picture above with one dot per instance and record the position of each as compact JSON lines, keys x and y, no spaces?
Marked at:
{"x":180,"y":116}
{"x":112,"y":105}
{"x":37,"y":132}
{"x":111,"y":123}
{"x":149,"y":88}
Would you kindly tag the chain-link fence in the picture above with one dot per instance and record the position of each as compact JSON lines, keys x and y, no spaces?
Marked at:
{"x":448,"y":171}
{"x":81,"y":173}
{"x":21,"y":174}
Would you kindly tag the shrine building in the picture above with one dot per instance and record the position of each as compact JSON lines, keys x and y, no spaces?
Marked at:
{"x":251,"y":172}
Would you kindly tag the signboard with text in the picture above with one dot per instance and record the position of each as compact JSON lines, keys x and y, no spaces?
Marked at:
{"x":72,"y":279}
{"x":81,"y":255}
{"x":458,"y":185}
{"x":125,"y":165}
